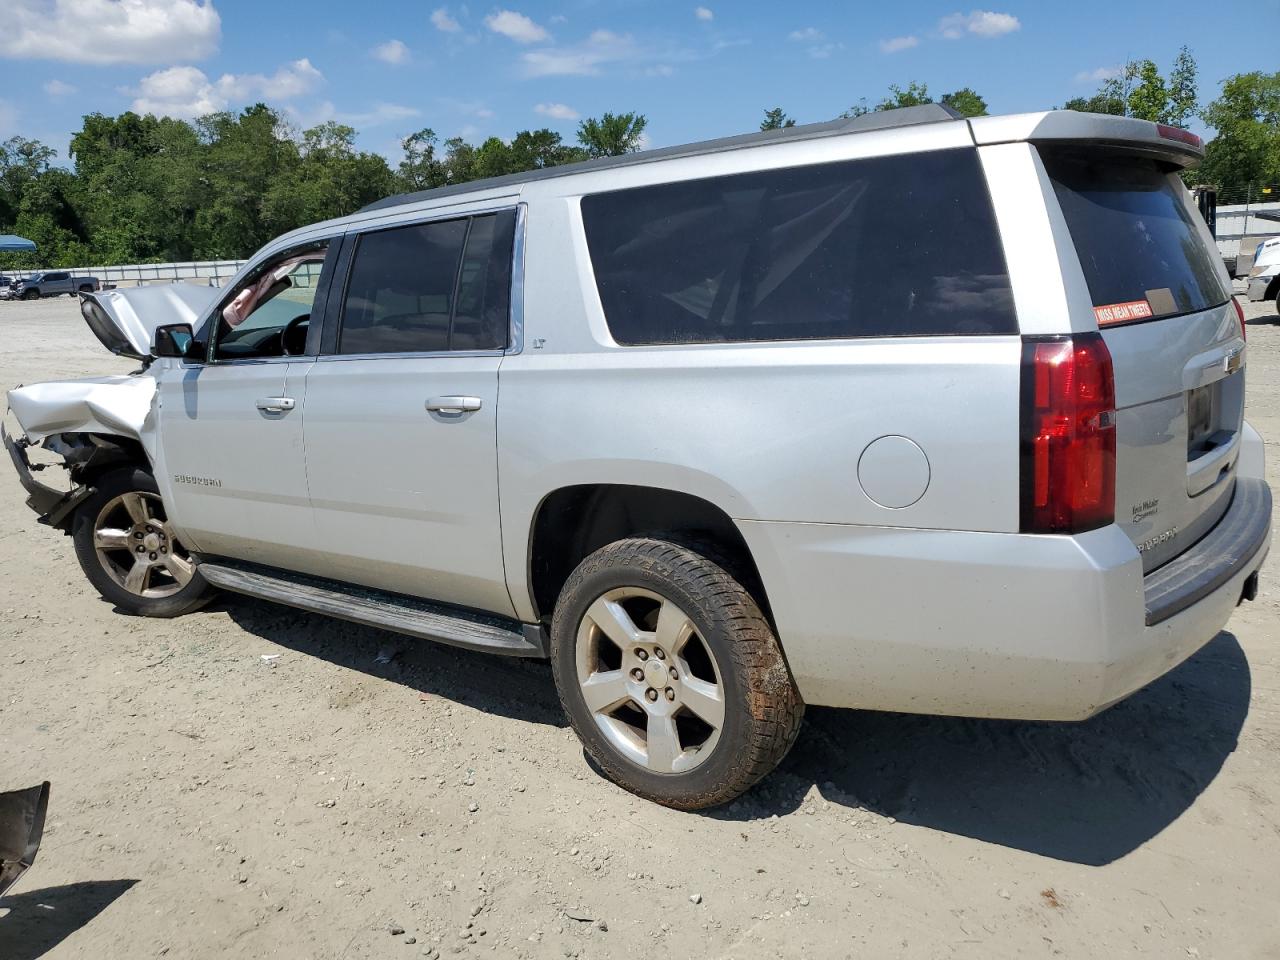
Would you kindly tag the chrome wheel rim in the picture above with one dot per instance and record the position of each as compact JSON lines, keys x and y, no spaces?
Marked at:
{"x":137,"y":549}
{"x":649,"y":680}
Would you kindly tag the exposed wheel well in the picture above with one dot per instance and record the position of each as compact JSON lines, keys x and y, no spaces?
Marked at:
{"x":1273,"y":289}
{"x":574,"y":522}
{"x":89,"y":455}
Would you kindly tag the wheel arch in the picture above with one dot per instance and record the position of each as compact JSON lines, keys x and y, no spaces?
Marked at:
{"x":574,"y":521}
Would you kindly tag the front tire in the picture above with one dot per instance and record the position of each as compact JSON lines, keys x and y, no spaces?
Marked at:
{"x":128,"y":550}
{"x":31,"y":295}
{"x":670,"y":674}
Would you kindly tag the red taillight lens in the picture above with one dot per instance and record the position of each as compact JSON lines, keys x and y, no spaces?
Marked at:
{"x":1068,"y":435}
{"x":1235,"y":302}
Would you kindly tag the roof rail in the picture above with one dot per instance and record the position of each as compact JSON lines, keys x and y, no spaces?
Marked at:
{"x":879,"y":120}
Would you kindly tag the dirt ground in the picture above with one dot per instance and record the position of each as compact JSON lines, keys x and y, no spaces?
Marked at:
{"x":208,"y":802}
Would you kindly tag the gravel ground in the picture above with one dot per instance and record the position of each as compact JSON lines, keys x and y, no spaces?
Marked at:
{"x":208,"y":802}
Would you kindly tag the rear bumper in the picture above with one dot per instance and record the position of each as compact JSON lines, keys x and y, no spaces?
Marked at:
{"x":995,"y":625}
{"x":53,"y":506}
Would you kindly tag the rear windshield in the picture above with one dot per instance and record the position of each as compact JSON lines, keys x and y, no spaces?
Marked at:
{"x":1138,"y":243}
{"x":882,"y":247}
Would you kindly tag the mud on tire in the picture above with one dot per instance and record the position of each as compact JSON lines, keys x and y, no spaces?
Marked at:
{"x":645,"y":579}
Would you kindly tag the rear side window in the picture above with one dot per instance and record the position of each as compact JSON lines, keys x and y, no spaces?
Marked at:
{"x":1138,"y":243}
{"x":430,"y":287}
{"x":882,"y":247}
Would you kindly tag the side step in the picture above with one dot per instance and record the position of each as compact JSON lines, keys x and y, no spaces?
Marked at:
{"x":378,"y":608}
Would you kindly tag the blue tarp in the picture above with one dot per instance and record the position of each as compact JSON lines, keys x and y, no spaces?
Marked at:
{"x":9,"y":242}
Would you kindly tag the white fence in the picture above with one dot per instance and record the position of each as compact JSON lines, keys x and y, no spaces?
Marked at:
{"x":212,"y":272}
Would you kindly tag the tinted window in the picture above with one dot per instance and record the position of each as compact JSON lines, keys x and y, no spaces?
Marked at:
{"x":430,"y":287}
{"x":1137,"y":240}
{"x":56,"y":276}
{"x":400,"y":293}
{"x":891,"y":246}
{"x":482,"y":315}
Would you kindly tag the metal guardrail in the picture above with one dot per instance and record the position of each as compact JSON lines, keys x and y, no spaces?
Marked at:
{"x":213,"y":272}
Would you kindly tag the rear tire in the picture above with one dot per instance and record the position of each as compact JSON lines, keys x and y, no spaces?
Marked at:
{"x":670,"y":674}
{"x":129,"y":552}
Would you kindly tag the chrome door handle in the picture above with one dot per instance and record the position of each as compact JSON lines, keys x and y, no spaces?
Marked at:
{"x":453,"y":404}
{"x":276,"y":404}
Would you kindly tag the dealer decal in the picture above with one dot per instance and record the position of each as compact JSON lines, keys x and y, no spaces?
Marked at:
{"x":1122,"y":312}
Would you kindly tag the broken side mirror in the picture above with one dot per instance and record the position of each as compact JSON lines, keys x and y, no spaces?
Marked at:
{"x":173,"y":340}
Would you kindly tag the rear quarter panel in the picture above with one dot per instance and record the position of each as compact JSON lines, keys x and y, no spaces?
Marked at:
{"x":765,"y":431}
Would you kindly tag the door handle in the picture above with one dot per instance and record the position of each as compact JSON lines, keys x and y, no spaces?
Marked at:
{"x":276,"y":404}
{"x":453,"y":404}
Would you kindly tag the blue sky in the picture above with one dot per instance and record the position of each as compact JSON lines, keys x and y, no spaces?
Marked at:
{"x":697,"y":70}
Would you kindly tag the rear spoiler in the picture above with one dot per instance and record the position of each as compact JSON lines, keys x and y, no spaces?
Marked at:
{"x":1173,"y":144}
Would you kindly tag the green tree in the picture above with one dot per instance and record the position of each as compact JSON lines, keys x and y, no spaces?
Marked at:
{"x":915,"y":95}
{"x":1246,"y":150}
{"x":1183,"y":89}
{"x":420,"y":168}
{"x":1140,"y":90}
{"x":613,"y":134}
{"x":966,"y":102}
{"x":775,"y":119}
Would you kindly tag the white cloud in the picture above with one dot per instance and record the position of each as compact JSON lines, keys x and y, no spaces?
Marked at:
{"x":584,"y":59}
{"x":980,"y":23}
{"x":703,"y":13}
{"x":896,"y":44}
{"x":393,"y":52}
{"x":1097,"y":76}
{"x":823,"y":51}
{"x":807,"y":35}
{"x":377,"y":115}
{"x":188,"y":92}
{"x":109,"y":31}
{"x":516,"y":26}
{"x":557,"y":111}
{"x":444,"y":22}
{"x":56,"y":88}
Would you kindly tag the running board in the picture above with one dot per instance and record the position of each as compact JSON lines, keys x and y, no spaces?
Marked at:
{"x":378,"y":608}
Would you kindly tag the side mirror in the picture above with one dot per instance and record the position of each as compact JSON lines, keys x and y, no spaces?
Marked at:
{"x":172,"y":340}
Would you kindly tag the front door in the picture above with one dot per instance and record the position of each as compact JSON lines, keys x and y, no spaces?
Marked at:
{"x":401,"y":426}
{"x":231,"y":435}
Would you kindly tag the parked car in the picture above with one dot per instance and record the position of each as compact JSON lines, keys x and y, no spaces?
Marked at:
{"x":52,"y":283}
{"x":1264,"y":276}
{"x":6,"y":287}
{"x":905,"y":412}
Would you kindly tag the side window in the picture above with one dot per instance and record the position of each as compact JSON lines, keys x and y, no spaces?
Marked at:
{"x":887,"y":246}
{"x":430,"y":287}
{"x":56,"y":277}
{"x":269,"y":313}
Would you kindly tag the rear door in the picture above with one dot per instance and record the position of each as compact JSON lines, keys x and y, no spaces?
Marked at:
{"x":1162,"y":300}
{"x":402,"y":407}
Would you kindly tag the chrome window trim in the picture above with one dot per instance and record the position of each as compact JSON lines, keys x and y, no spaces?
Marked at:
{"x":515,"y":344}
{"x":420,"y":355}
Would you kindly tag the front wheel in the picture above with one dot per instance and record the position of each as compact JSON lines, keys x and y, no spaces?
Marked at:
{"x":670,"y":674}
{"x":31,"y":295}
{"x":129,"y":551}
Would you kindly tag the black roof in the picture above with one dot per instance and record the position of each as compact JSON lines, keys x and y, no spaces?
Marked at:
{"x":880,"y":120}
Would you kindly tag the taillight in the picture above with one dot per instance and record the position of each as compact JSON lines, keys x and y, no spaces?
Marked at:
{"x":1068,"y":434}
{"x":1235,"y":302}
{"x":1169,"y":132}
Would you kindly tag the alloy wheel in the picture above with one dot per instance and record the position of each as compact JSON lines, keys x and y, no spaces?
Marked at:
{"x":136,"y":546}
{"x":650,"y":681}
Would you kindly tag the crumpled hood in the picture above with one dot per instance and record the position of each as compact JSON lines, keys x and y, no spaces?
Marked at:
{"x":124,"y":320}
{"x":119,"y":406}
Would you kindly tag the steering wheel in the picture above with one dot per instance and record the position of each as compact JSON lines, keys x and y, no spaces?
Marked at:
{"x":295,"y":330}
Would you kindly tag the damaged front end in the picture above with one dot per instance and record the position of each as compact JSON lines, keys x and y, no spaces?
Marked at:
{"x":84,"y":456}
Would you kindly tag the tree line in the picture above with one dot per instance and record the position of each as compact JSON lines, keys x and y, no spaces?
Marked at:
{"x":157,"y":189}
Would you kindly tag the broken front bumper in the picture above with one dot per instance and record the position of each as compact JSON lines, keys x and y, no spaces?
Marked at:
{"x":55,"y":507}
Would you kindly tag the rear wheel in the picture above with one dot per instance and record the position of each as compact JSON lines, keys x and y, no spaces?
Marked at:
{"x":670,"y":674}
{"x":129,"y":551}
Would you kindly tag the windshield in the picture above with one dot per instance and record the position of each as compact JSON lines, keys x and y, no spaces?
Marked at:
{"x":1139,"y":245}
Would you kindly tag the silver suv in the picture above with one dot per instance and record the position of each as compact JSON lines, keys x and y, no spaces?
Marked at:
{"x":904,"y":412}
